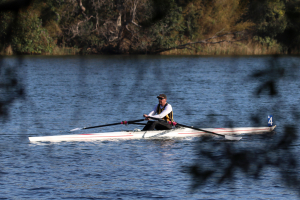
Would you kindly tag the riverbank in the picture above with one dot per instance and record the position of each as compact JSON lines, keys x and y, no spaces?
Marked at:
{"x":232,"y":49}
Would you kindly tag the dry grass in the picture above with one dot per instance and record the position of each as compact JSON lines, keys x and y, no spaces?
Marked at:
{"x":65,"y":51}
{"x":56,"y":51}
{"x":7,"y":51}
{"x":228,"y":49}
{"x":248,"y":48}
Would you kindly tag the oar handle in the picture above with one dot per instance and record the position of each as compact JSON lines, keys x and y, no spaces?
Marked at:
{"x":158,"y":119}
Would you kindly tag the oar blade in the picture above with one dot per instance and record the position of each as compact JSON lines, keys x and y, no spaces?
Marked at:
{"x":228,"y":137}
{"x":76,"y":129}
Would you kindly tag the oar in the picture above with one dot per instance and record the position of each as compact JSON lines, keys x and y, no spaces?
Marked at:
{"x":123,"y":122}
{"x":228,"y":137}
{"x":139,"y":123}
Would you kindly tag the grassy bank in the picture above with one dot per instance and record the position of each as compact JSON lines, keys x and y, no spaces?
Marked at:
{"x":246,"y":48}
{"x":8,"y":51}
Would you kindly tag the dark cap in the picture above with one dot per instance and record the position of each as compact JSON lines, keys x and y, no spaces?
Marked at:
{"x":162,"y":96}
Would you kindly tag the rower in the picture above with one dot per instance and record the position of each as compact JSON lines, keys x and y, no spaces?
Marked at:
{"x":162,"y":111}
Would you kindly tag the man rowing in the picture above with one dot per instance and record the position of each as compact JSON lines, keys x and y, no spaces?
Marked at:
{"x":162,"y":111}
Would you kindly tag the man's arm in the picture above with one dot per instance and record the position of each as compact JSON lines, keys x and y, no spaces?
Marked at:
{"x":167,"y":110}
{"x":151,"y":113}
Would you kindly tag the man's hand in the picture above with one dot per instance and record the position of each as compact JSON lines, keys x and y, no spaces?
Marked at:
{"x":146,"y":117}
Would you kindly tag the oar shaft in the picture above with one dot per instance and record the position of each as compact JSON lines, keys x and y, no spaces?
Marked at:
{"x":228,"y":137}
{"x":123,"y":122}
{"x":101,"y":125}
{"x":198,"y":129}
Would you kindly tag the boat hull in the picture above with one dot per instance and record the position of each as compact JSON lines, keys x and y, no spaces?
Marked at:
{"x":173,"y":133}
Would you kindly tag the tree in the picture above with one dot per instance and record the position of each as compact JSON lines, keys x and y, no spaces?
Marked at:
{"x":23,"y":30}
{"x":269,"y":19}
{"x":290,"y":38}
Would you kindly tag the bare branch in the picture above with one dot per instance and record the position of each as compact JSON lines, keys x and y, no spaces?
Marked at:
{"x":75,"y":29}
{"x":134,"y":13}
{"x":81,"y":6}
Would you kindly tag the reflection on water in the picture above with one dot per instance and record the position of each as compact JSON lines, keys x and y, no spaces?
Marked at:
{"x":63,"y":93}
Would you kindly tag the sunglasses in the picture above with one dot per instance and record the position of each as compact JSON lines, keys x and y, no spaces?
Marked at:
{"x":160,"y":98}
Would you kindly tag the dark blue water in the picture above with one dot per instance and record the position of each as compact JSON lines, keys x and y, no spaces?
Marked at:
{"x":62,"y":93}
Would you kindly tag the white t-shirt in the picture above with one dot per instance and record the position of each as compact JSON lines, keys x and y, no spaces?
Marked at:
{"x":166,"y":111}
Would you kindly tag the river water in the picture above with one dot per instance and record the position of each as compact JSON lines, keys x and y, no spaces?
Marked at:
{"x":62,"y":93}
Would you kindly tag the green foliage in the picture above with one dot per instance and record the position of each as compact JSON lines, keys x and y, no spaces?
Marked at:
{"x":168,"y":31}
{"x":268,"y":16}
{"x":265,"y":41}
{"x":290,"y":38}
{"x":28,"y":35}
{"x":148,"y":26}
{"x":6,"y":19}
{"x":276,"y":20}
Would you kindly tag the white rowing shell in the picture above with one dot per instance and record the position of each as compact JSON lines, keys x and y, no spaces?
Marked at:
{"x":173,"y":133}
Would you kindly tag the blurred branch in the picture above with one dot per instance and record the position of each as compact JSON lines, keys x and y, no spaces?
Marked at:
{"x":221,"y":162}
{"x":10,"y":89}
{"x":14,"y":5}
{"x":226,"y":159}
